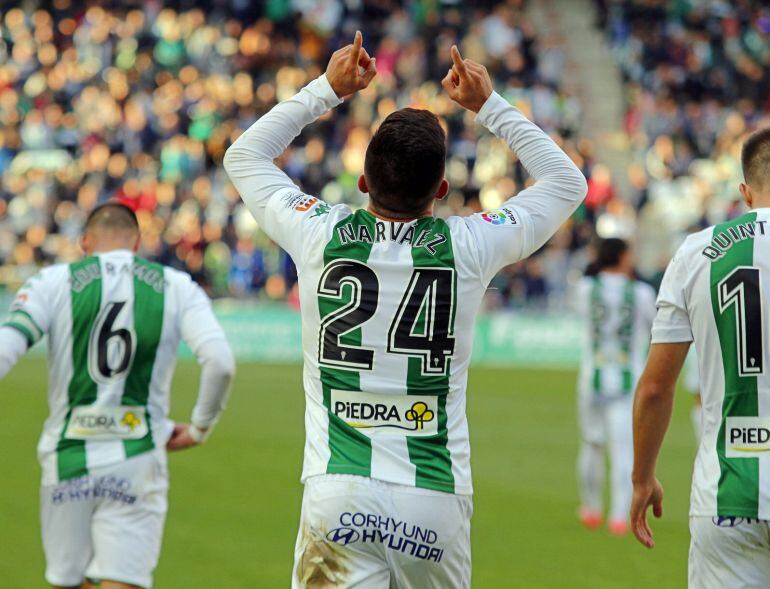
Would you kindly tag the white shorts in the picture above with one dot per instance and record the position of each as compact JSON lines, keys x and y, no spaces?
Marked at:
{"x":107,"y":524}
{"x":362,"y":533}
{"x":729,"y":552}
{"x":606,"y":419}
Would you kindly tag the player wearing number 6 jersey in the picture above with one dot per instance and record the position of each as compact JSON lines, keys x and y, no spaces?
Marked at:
{"x":389,"y":296}
{"x":114,"y":322}
{"x":715,"y":294}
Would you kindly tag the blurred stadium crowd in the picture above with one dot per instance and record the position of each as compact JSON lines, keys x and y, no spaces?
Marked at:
{"x":139,"y":101}
{"x":697,"y":82}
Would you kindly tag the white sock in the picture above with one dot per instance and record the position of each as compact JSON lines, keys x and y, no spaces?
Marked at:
{"x":621,"y":446}
{"x":591,"y":475}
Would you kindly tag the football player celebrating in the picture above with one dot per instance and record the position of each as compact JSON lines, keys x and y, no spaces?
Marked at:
{"x":389,"y":295}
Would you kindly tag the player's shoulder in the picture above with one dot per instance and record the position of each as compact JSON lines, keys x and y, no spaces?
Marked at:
{"x":54,"y":275}
{"x":584,"y":287}
{"x":180,"y":289}
{"x":586,"y":282}
{"x":645,"y":289}
{"x":311,"y":207}
{"x":691,"y":249}
{"x":695,"y":241}
{"x":173,"y":277}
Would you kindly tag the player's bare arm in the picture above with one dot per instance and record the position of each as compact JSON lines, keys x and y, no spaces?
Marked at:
{"x":652,"y":413}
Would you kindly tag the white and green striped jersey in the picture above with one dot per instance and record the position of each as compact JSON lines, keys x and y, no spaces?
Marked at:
{"x":617,"y":313}
{"x":388,"y":308}
{"x":715,"y":293}
{"x":114,"y":322}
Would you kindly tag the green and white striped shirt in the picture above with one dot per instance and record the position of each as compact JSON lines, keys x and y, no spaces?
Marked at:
{"x":617,"y":313}
{"x":114,"y":323}
{"x":388,"y":308}
{"x":715,"y":293}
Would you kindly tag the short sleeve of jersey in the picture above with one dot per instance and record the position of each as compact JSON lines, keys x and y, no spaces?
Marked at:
{"x":672,"y":322}
{"x":31,"y":310}
{"x":500,"y":238}
{"x":647,"y":302}
{"x":196,"y":316}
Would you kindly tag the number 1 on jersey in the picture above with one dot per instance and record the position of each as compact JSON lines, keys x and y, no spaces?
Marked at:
{"x":741,"y":288}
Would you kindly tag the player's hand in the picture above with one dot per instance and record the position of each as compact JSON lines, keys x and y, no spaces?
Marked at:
{"x":180,"y":438}
{"x":351,"y":69}
{"x":467,"y":82}
{"x":646,"y":495}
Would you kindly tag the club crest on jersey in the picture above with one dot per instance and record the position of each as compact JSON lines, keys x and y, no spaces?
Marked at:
{"x":745,"y":437}
{"x":302,"y":203}
{"x":409,"y":415}
{"x":499,"y":217}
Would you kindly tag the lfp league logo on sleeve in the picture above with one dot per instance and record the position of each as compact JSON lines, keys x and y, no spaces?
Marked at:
{"x":499,"y":217}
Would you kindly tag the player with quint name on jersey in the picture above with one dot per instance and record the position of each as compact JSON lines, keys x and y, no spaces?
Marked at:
{"x":389,"y":295}
{"x":617,"y":311}
{"x":715,"y":294}
{"x":114,"y":322}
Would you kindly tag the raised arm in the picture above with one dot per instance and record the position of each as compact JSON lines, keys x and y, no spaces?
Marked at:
{"x":275,"y":201}
{"x":559,"y":185}
{"x":527,"y":220}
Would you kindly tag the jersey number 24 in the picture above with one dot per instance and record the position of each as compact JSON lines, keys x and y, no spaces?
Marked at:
{"x":422,"y":326}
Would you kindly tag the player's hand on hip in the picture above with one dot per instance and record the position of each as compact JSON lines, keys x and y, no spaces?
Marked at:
{"x":351,"y":69}
{"x":180,"y":438}
{"x":645,"y":495}
{"x":467,"y":82}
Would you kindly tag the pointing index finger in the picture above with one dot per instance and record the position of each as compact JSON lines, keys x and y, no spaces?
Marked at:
{"x":457,"y":59}
{"x":357,"y":42}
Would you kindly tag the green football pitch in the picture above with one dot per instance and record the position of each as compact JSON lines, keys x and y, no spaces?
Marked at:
{"x":234,"y":503}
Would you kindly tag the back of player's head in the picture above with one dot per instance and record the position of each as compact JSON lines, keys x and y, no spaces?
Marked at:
{"x":755,"y":159}
{"x":609,"y":253}
{"x":112,"y":217}
{"x":405,"y":161}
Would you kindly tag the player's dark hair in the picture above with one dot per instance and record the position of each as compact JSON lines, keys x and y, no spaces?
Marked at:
{"x":112,"y":216}
{"x":755,"y":158}
{"x":609,"y":252}
{"x":405,"y":161}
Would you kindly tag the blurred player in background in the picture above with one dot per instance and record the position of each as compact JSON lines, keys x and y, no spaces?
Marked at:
{"x":389,"y":296}
{"x":618,"y":311}
{"x":114,"y":322}
{"x":714,"y":293}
